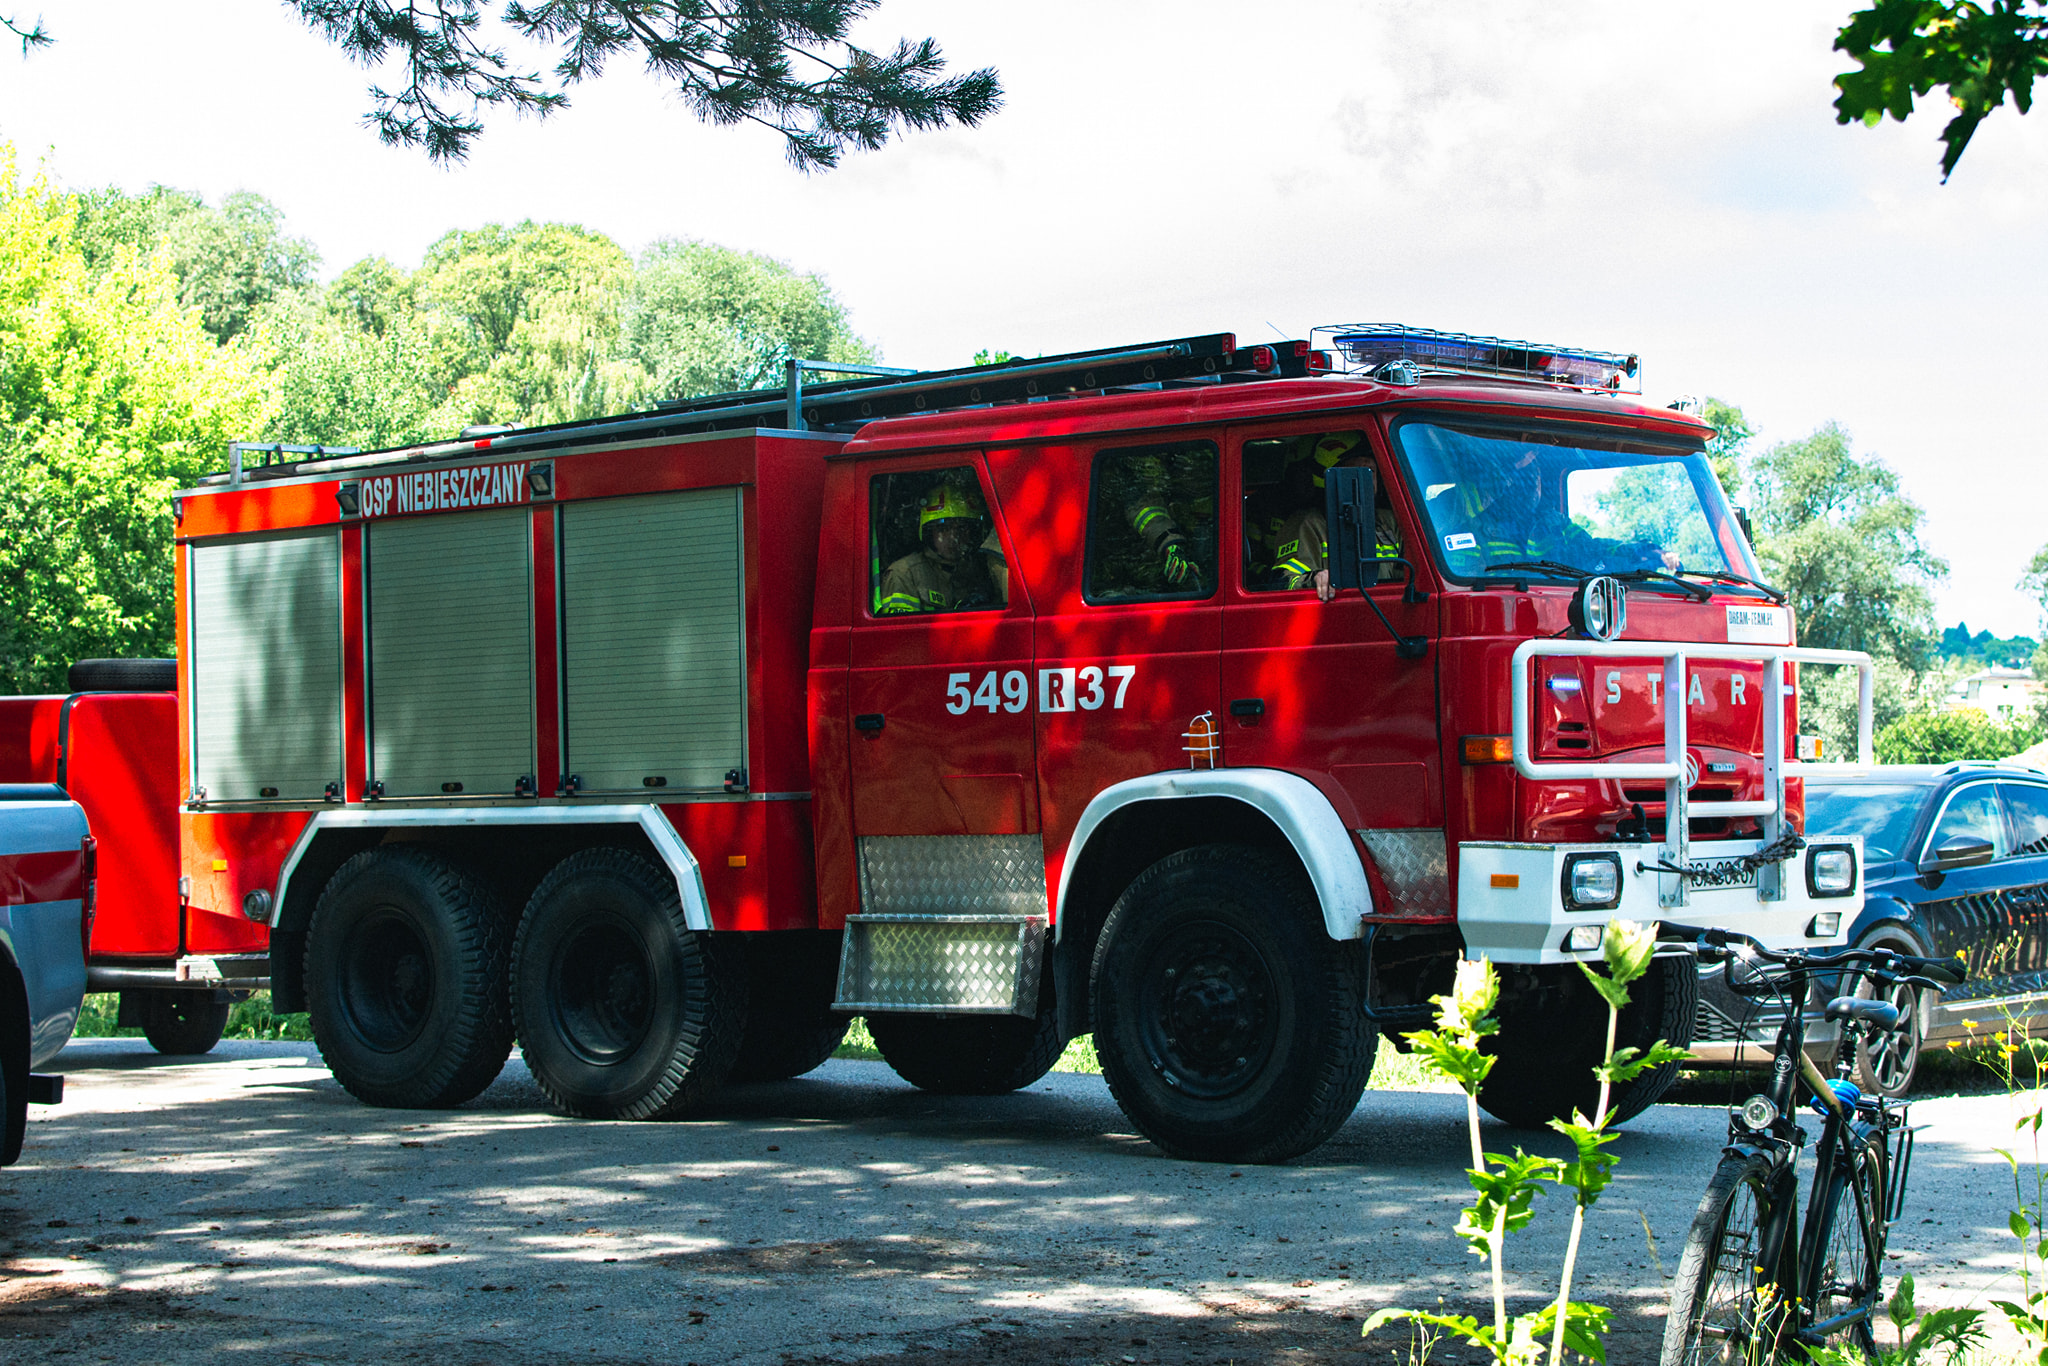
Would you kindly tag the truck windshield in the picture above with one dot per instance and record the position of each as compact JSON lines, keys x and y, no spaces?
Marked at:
{"x":1496,"y":495}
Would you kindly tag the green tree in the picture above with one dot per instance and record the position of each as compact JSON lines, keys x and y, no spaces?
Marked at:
{"x":784,"y":64}
{"x":704,"y":319}
{"x":111,"y":396}
{"x":1730,"y":445}
{"x":525,"y":322}
{"x":1943,"y":737}
{"x":1837,"y":535}
{"x":334,"y":382}
{"x":230,"y":261}
{"x":1977,"y":52}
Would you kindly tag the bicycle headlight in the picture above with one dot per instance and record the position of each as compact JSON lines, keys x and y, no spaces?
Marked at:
{"x":1759,"y":1112}
{"x":1830,"y":870}
{"x":1592,"y":882}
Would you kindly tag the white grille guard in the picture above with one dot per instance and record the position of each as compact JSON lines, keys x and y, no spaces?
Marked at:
{"x":1519,"y":903}
{"x":1678,"y":809}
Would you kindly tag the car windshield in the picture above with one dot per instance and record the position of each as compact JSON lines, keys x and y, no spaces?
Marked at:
{"x":1880,"y":812}
{"x":1504,"y":495}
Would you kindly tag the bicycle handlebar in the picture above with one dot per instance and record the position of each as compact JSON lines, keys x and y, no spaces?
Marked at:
{"x":1891,"y":966}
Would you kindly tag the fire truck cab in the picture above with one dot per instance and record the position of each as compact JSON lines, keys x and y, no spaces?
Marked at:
{"x":1210,"y":699}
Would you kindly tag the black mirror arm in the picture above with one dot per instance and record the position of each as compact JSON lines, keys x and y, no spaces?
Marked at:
{"x":1407,"y":647}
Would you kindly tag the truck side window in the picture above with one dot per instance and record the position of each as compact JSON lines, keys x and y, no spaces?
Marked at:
{"x":1152,"y":524}
{"x":931,"y":544}
{"x":1284,"y":532}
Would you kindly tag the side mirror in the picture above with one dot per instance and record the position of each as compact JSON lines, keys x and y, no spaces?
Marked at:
{"x":1348,"y":492}
{"x":1957,"y":851}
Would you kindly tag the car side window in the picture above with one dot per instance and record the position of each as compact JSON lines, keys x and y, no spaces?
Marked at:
{"x":2028,"y":805}
{"x":1972,"y":811}
{"x":1152,"y":524}
{"x":1284,"y":532}
{"x":931,"y":545}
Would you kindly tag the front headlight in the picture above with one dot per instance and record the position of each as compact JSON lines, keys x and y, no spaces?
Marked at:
{"x":1758,"y":1112}
{"x":1592,"y":882}
{"x":1830,"y":870}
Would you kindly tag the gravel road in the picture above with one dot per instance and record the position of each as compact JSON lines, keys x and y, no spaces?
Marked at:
{"x":243,"y":1206}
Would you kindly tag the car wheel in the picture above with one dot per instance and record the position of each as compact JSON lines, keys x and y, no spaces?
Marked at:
{"x":1887,"y":1061}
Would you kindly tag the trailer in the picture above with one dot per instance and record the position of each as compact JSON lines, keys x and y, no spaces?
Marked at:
{"x":1213,"y":699}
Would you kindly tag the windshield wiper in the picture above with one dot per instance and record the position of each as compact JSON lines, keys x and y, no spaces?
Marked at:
{"x":1570,"y":571}
{"x":1776,"y":595}
{"x":1691,"y":589}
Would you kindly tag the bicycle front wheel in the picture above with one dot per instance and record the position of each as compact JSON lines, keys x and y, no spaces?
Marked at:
{"x":1725,"y":1307}
{"x":1848,"y":1277}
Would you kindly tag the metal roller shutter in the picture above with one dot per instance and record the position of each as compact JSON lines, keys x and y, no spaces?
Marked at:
{"x":451,"y":653}
{"x":265,"y":637}
{"x":654,"y":656}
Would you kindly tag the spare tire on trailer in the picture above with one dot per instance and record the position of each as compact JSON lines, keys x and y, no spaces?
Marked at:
{"x":183,"y":1023}
{"x":123,"y":675}
{"x":1553,"y":1032}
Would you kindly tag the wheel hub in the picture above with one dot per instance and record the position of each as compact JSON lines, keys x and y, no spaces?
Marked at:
{"x":387,"y":981}
{"x":1208,"y":1014}
{"x":603,"y":990}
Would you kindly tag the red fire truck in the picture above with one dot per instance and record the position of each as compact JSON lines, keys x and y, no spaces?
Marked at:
{"x":1210,"y":698}
{"x":111,"y":745}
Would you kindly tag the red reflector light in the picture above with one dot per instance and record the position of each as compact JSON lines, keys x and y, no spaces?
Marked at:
{"x":1321,"y":362}
{"x":1487,"y":749}
{"x":1263,"y":358}
{"x":484,"y":444}
{"x":89,"y":875}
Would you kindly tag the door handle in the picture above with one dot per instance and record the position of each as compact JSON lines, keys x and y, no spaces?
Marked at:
{"x":868,"y":721}
{"x":1248,"y":706}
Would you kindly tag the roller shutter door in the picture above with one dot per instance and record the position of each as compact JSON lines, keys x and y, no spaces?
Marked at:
{"x":451,"y":654}
{"x":653,"y":651}
{"x":265,"y":637}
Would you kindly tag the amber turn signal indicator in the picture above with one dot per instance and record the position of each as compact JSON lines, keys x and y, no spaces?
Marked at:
{"x":1487,"y":749}
{"x":1508,"y":880}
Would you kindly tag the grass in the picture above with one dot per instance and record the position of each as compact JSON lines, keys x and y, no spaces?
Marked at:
{"x":250,"y":1019}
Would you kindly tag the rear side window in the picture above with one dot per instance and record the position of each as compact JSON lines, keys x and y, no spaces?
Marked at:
{"x":1972,"y":811}
{"x":2029,"y":807}
{"x":1152,"y":524}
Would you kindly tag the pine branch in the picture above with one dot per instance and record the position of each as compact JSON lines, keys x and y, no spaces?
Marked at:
{"x":33,"y":36}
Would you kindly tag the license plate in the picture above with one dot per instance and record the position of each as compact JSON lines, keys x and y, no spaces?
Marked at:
{"x":1722,"y":872}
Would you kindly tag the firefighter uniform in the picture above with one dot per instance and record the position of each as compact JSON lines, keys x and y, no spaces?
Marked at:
{"x":919,"y":583}
{"x":1168,"y":498}
{"x":1305,"y":545}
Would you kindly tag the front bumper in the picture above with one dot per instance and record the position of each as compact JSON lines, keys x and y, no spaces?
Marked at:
{"x":1512,"y":904}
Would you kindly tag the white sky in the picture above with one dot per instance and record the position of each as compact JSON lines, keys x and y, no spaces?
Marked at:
{"x":1665,"y":179}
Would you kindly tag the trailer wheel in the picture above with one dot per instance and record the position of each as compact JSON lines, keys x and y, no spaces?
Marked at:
{"x":1552,"y":1036}
{"x":1227,"y":1020}
{"x":624,"y":1011}
{"x":182,"y":1023}
{"x":405,"y":979}
{"x":968,"y":1055}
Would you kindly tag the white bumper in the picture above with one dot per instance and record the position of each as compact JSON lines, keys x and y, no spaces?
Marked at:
{"x":1512,"y":907}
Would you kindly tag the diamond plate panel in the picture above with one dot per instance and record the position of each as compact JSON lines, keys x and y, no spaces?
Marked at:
{"x":1415,"y":865}
{"x":941,"y":963}
{"x":973,"y":875}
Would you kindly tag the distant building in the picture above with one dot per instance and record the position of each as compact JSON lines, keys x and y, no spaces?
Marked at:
{"x":2001,"y":693}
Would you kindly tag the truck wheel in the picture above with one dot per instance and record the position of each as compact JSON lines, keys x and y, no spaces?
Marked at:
{"x":968,"y":1055}
{"x":792,"y":976}
{"x":1227,"y":1020}
{"x":182,"y":1023}
{"x":13,"y":1081}
{"x":1553,"y":1035}
{"x":624,"y":1011}
{"x":405,"y":979}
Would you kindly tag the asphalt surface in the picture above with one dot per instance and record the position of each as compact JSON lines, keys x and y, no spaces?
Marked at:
{"x":243,"y":1206}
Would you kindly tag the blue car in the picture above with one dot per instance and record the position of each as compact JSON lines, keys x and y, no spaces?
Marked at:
{"x":1955,"y":860}
{"x":47,"y":866}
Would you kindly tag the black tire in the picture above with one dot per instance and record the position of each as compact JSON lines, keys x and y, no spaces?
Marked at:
{"x":1226,"y":1018}
{"x":182,"y":1023}
{"x":13,"y":1085}
{"x":623,"y":1011}
{"x":969,"y":1055}
{"x":792,"y":977}
{"x":1888,"y":1061}
{"x":1722,"y":1309}
{"x":1851,"y":1235}
{"x":123,"y":675}
{"x":405,"y":979}
{"x":1551,"y":1038}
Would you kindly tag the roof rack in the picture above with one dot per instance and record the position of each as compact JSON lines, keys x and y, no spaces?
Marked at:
{"x":877,"y":392}
{"x":1402,"y":355}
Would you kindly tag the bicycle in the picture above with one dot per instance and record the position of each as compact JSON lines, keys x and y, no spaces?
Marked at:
{"x":1753,"y":1282}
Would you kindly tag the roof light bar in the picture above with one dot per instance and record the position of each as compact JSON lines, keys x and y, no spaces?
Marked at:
{"x":1371,"y":346}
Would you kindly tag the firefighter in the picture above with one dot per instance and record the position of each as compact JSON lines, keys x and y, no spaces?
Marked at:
{"x":951,"y":571}
{"x":1168,"y":498}
{"x":1303,"y":549}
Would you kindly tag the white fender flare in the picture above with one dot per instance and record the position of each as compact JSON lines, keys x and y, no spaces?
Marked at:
{"x":1293,"y":803}
{"x":674,"y":852}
